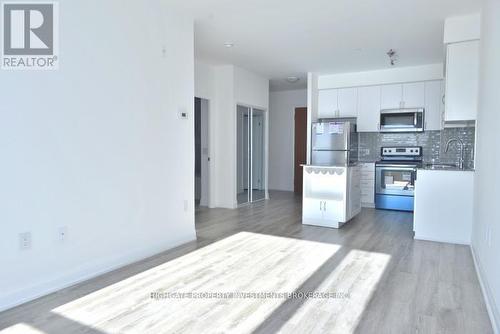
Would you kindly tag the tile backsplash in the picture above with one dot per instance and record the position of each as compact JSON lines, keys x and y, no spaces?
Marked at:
{"x":432,"y":142}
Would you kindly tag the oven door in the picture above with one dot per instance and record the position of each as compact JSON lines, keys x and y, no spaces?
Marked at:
{"x":404,"y":120}
{"x":395,"y":180}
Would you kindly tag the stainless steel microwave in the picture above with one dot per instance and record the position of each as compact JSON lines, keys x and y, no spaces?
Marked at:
{"x":402,"y":120}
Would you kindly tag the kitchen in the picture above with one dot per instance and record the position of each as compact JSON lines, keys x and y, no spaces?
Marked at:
{"x":398,"y":139}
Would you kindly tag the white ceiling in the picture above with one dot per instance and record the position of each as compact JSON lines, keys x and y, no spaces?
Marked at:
{"x":281,"y":38}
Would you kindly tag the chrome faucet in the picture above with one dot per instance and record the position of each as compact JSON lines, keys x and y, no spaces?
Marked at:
{"x":462,"y":150}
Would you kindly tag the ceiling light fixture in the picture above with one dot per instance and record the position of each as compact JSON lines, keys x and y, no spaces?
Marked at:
{"x":229,"y":45}
{"x":292,"y":79}
{"x":393,"y":56}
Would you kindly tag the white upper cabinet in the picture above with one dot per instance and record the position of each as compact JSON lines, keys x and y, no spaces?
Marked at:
{"x":462,"y":72}
{"x":413,"y":95}
{"x":391,"y":96}
{"x":368,"y":109}
{"x":408,"y":95}
{"x":433,"y":105}
{"x":348,"y":102}
{"x":328,"y":103}
{"x":341,"y":102}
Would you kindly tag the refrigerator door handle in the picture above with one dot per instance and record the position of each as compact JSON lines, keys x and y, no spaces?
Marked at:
{"x":347,"y":136}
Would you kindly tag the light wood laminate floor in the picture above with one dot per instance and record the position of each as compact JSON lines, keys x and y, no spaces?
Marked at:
{"x":382,"y":280}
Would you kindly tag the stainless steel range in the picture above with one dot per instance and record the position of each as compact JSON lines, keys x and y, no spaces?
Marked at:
{"x":395,"y":176}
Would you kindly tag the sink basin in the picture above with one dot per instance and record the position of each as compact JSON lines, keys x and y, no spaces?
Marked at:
{"x":441,"y":166}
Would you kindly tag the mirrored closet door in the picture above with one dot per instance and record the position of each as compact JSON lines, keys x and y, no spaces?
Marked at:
{"x":250,"y":154}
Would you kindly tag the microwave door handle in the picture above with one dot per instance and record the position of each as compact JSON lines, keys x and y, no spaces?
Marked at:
{"x":415,"y":119}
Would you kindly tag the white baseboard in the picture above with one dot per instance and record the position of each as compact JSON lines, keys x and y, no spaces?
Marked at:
{"x":490,"y":302}
{"x":84,"y":273}
{"x":446,"y":241}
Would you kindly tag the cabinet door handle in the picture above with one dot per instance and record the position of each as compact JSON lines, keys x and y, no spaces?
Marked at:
{"x":321,"y":206}
{"x":324,"y":206}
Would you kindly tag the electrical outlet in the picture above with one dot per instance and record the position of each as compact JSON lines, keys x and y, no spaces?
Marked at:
{"x":62,"y":233}
{"x":186,"y":205}
{"x":25,"y":240}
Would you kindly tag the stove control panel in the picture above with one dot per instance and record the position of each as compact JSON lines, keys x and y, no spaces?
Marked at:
{"x":401,"y":151}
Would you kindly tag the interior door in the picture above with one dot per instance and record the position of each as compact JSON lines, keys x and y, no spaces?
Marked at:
{"x":243,"y":154}
{"x":300,"y":148}
{"x":251,"y":154}
{"x":257,"y":149}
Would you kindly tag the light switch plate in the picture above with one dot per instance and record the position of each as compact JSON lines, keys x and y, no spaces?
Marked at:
{"x":62,"y":233}
{"x":24,"y":240}
{"x":183,"y":114}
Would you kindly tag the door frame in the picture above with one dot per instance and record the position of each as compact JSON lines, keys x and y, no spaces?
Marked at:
{"x":210,"y":140}
{"x":293,"y":142}
{"x":266,"y":153}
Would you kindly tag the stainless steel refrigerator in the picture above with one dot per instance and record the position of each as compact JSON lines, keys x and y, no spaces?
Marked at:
{"x":334,"y":142}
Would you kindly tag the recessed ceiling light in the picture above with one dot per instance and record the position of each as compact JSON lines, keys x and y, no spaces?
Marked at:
{"x":229,"y":45}
{"x":292,"y":79}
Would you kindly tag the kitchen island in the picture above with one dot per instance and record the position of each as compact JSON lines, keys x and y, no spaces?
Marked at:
{"x":331,"y":195}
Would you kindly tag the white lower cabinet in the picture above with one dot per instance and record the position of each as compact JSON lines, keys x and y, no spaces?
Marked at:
{"x":444,"y":206}
{"x":367,"y":185}
{"x":314,"y":209}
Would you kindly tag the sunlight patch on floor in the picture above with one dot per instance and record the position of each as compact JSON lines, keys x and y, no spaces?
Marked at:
{"x":244,"y":262}
{"x":22,"y":329}
{"x":359,"y":273}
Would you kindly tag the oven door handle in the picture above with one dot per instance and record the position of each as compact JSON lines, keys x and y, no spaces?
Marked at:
{"x":395,"y":168}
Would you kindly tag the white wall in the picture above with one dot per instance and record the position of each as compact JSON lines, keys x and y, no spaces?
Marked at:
{"x":312,"y":108}
{"x":98,"y":147}
{"x":250,"y":88}
{"x":281,"y":137}
{"x":381,"y":77}
{"x":226,"y":86}
{"x":486,"y":230}
{"x":204,"y":84}
{"x":462,"y":28}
